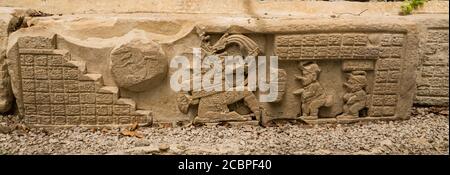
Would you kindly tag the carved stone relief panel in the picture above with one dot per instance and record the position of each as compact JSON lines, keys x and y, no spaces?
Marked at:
{"x":366,"y":85}
{"x":228,"y":105}
{"x":52,"y":89}
{"x":432,"y":78}
{"x":337,"y":74}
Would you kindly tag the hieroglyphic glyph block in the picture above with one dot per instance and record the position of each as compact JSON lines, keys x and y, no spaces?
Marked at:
{"x":433,"y":70}
{"x":52,"y":89}
{"x":379,"y":55}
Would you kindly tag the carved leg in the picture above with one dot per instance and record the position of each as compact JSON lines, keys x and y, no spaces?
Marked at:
{"x":345,"y":108}
{"x":252,"y":103}
{"x":212,"y":117}
{"x":349,"y":112}
{"x":305,"y":110}
{"x":314,"y":111}
{"x":214,"y":108}
{"x":314,"y":107}
{"x":249,"y":98}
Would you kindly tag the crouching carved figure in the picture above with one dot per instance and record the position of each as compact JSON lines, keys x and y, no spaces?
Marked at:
{"x":312,"y":94}
{"x":213,"y":105}
{"x":356,"y":97}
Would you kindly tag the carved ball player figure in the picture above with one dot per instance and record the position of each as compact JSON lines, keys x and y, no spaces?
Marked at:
{"x":312,"y":94}
{"x":356,"y":96}
{"x":213,"y":105}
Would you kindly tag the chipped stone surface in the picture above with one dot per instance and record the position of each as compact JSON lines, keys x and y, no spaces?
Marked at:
{"x":86,"y":69}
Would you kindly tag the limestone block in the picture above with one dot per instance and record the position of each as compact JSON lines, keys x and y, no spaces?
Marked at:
{"x":356,"y":69}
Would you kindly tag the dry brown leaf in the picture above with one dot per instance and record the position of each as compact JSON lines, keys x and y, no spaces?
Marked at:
{"x":138,"y":135}
{"x":131,"y":133}
{"x":134,"y":126}
{"x":127,"y":133}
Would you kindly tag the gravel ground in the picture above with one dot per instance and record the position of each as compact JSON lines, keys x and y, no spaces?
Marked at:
{"x":427,"y":132}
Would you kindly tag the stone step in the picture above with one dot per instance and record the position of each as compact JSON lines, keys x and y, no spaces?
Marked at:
{"x":143,"y":117}
{"x":96,"y":78}
{"x":127,"y":101}
{"x":141,"y":113}
{"x":92,"y":77}
{"x":81,"y":65}
{"x":108,"y":90}
{"x":105,"y":93}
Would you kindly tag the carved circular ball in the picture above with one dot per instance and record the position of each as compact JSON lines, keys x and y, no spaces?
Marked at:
{"x":138,"y":65}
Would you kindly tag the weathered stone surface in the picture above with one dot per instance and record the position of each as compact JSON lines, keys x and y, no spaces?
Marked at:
{"x":234,"y":7}
{"x":433,"y":70}
{"x":138,"y":65}
{"x":51,"y":89}
{"x":376,"y":66}
{"x":74,"y":69}
{"x":6,"y":96}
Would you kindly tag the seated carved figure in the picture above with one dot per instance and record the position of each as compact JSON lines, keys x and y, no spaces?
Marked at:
{"x":356,"y":96}
{"x":312,"y":94}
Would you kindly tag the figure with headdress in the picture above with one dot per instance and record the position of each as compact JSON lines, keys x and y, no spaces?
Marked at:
{"x":213,"y":106}
{"x":312,"y":94}
{"x":356,"y":97}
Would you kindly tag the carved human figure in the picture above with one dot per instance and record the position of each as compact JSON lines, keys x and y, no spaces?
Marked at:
{"x":356,"y":97}
{"x":213,"y":105}
{"x":312,"y":94}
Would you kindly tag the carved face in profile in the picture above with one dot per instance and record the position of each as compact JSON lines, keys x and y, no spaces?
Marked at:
{"x":356,"y":81}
